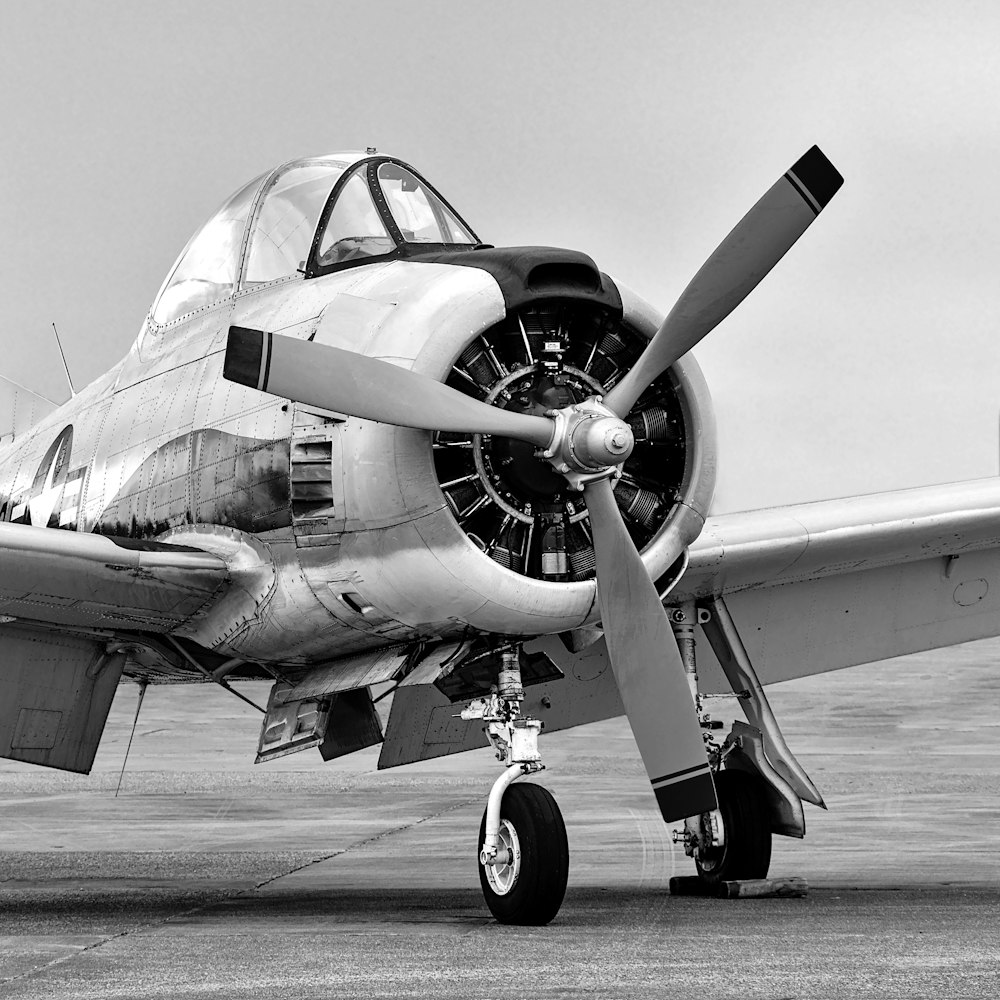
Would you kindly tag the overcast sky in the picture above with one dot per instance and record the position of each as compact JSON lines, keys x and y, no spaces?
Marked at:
{"x":637,"y":132}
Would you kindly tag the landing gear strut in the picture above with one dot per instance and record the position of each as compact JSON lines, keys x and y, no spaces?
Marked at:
{"x":523,"y":850}
{"x":759,"y":784}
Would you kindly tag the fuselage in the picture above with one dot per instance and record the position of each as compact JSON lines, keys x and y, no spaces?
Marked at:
{"x":364,"y":545}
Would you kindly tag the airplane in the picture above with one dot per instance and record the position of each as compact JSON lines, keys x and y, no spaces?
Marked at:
{"x":355,"y":448}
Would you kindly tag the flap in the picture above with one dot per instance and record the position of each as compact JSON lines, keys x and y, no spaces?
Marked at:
{"x":811,"y":626}
{"x":63,"y":577}
{"x":55,"y":694}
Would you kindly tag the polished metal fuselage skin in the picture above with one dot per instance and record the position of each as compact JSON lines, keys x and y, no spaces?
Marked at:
{"x":336,"y":526}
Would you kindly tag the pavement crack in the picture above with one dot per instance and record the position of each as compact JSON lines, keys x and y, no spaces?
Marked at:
{"x":31,"y":973}
{"x":226,"y":897}
{"x":375,"y":838}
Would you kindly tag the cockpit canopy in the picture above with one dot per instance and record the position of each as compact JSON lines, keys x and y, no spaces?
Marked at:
{"x":307,"y":218}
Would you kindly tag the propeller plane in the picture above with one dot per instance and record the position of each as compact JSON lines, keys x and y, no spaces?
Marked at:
{"x":353,"y":445}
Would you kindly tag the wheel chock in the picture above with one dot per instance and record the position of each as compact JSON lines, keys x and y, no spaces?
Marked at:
{"x":751,"y":888}
{"x":763,"y":888}
{"x":690,"y":885}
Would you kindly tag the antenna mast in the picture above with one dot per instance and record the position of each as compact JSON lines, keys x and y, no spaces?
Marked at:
{"x":143,"y":684}
{"x":62,"y":355}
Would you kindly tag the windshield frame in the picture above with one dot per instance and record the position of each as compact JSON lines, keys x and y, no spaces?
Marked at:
{"x":402,"y":249}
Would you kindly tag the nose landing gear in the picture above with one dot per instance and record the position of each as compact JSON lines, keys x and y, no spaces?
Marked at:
{"x":523,"y":852}
{"x":526,"y":880}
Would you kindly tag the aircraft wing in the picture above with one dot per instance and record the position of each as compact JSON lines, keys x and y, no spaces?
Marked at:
{"x":811,"y":588}
{"x":72,"y":578}
{"x":820,"y":586}
{"x":57,"y":678}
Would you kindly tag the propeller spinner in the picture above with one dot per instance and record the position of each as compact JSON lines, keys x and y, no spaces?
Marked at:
{"x":587,"y":443}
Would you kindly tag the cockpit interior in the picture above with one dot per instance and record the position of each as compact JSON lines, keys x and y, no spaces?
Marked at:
{"x":307,"y":218}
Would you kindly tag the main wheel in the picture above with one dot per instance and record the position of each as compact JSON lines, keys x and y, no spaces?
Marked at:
{"x":746,"y":827}
{"x":529,"y":888}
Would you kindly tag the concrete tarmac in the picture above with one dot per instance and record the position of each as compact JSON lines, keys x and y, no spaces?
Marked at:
{"x":209,"y":877}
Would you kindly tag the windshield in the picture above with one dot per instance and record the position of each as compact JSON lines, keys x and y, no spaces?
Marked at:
{"x":420,"y":215}
{"x":287,"y":219}
{"x":354,"y":229}
{"x":379,"y":209}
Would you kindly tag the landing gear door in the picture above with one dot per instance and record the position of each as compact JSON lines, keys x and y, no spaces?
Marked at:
{"x":291,"y":726}
{"x":338,"y":723}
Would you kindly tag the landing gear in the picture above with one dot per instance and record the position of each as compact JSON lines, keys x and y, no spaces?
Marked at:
{"x":526,"y":881}
{"x":760,"y":786}
{"x":733,"y":842}
{"x":523,"y":854}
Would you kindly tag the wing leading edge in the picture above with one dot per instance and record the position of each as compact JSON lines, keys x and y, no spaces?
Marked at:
{"x":829,"y":538}
{"x":57,"y":577}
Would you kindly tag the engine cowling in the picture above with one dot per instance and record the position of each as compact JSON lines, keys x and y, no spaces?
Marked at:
{"x":446,"y":531}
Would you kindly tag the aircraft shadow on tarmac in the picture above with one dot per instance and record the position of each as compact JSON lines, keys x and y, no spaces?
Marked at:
{"x":76,"y":902}
{"x":110,"y":906}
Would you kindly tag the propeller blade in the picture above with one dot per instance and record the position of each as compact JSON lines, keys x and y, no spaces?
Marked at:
{"x":648,"y":666}
{"x":741,"y":260}
{"x":346,"y":382}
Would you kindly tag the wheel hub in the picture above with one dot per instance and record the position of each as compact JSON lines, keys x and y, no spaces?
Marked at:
{"x":503,"y":873}
{"x":704,"y":838}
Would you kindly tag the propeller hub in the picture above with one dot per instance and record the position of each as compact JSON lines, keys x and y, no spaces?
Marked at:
{"x":588,"y":442}
{"x":597,"y":442}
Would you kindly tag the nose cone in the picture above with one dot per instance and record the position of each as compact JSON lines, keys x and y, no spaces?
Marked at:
{"x":603,"y":441}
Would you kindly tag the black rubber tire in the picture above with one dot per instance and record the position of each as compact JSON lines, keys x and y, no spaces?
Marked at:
{"x":535,"y":897}
{"x":747,"y":851}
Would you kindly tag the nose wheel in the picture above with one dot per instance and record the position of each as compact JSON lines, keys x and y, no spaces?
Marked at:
{"x":522,"y":850}
{"x":526,"y":881}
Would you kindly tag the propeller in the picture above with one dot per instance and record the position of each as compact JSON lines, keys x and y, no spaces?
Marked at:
{"x":587,"y":443}
{"x":759,"y":240}
{"x":347,"y":382}
{"x":647,"y":666}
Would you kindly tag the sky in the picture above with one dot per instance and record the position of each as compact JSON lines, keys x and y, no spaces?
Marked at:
{"x":638,"y":132}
